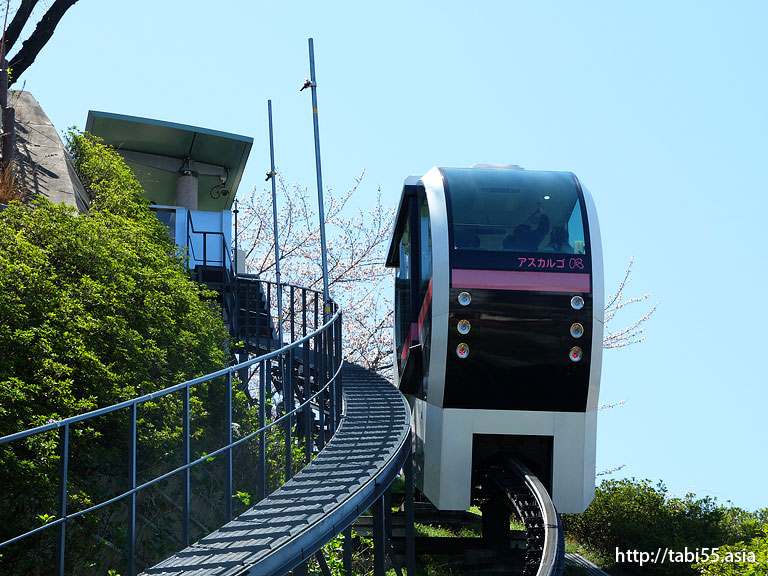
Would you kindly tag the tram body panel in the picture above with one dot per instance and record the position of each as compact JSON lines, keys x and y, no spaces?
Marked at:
{"x":598,"y":295}
{"x":433,"y":186}
{"x":521,"y":347}
{"x":446,"y":477}
{"x":517,"y":384}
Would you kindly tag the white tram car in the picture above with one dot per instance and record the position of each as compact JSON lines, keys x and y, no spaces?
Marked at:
{"x":499,"y":327}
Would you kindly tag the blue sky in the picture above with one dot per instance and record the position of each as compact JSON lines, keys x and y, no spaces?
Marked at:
{"x":658,"y":107}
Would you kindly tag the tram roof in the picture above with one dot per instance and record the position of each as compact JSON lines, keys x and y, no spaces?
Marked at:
{"x":410,"y":187}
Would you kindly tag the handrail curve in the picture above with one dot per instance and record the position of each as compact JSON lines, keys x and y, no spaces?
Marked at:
{"x":320,"y":382}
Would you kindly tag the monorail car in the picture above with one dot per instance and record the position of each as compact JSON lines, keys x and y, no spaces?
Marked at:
{"x":499,"y":327}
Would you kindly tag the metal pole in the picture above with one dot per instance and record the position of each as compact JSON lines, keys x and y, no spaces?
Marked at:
{"x":274,"y":221}
{"x":313,"y":85}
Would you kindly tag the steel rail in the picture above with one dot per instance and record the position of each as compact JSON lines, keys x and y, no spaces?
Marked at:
{"x":553,"y":550}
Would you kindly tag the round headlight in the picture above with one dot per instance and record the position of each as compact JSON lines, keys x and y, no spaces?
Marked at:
{"x":577,"y":330}
{"x":465,"y":298}
{"x":463,"y":326}
{"x":577,"y":302}
{"x":576,"y":354}
{"x":462,"y":350}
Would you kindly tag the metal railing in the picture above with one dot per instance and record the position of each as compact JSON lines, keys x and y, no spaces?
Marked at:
{"x":223,"y":258}
{"x":221,"y":262}
{"x":295,"y":390}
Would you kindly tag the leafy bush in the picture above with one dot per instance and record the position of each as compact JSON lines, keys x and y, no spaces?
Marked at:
{"x":94,"y":310}
{"x":627,"y":515}
{"x":740,"y":559}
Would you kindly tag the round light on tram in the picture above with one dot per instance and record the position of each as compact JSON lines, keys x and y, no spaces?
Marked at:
{"x":462,"y":350}
{"x":577,"y":330}
{"x":577,"y":302}
{"x":465,"y":298}
{"x":463,"y":326}
{"x":576,"y":354}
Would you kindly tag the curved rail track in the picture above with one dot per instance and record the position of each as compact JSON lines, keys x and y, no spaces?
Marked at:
{"x":523,"y":493}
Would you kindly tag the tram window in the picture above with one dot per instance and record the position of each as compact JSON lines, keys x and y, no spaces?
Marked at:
{"x":425,"y":244}
{"x":403,"y":293}
{"x":515,"y":211}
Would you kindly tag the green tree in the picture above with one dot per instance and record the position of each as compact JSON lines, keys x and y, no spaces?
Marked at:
{"x":94,"y":310}
{"x":740,"y":559}
{"x":628,"y":515}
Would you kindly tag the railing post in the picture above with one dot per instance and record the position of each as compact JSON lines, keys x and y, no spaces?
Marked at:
{"x":410,"y":536}
{"x":379,"y":537}
{"x":132,"y":498}
{"x":347,"y":551}
{"x":308,"y":408}
{"x":320,"y":383}
{"x":331,"y":363}
{"x":269,"y":308}
{"x":262,"y":423}
{"x":228,"y":473}
{"x":235,"y":211}
{"x":260,"y":288}
{"x":247,"y":316}
{"x":187,"y":458}
{"x":337,"y":364}
{"x":61,"y":542}
{"x":288,"y":403}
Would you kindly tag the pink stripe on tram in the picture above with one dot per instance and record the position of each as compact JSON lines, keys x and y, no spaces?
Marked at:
{"x":513,"y":280}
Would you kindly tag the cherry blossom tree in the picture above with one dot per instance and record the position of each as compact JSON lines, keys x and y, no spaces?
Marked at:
{"x":619,"y":302}
{"x":356,"y":244}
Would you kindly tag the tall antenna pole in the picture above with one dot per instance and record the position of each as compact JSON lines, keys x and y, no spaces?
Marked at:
{"x":272,"y":176}
{"x":313,"y":85}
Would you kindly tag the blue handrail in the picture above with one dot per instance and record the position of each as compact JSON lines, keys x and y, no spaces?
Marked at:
{"x":325,"y":342}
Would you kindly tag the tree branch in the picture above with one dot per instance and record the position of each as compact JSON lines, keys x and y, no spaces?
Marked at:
{"x":17,"y":24}
{"x":32,"y":46}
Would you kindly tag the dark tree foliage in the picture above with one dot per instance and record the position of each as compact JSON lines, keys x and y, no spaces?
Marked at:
{"x":94,"y":310}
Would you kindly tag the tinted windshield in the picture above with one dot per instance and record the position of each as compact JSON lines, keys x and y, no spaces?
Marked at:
{"x":509,"y":210}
